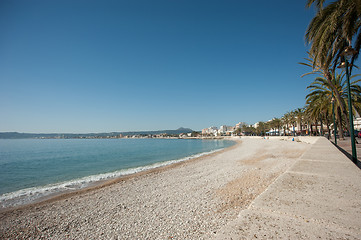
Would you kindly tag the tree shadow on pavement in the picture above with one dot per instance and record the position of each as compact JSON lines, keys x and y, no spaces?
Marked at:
{"x":348,"y":155}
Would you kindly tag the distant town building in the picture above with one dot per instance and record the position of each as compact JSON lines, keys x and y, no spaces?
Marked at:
{"x":210,"y":131}
{"x":240,"y":124}
{"x":204,"y":131}
{"x":226,"y":130}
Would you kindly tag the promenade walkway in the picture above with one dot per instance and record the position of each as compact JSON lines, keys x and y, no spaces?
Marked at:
{"x":344,"y":146}
{"x":319,"y":197}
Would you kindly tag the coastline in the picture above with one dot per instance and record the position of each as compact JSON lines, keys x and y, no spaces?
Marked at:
{"x":121,"y":175}
{"x":192,"y":198}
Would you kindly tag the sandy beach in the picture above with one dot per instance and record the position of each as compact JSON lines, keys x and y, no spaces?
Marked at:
{"x":189,"y":200}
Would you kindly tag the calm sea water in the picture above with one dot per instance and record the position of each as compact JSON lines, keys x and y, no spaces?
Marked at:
{"x":34,"y":168}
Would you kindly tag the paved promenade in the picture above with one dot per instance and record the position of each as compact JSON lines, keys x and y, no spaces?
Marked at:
{"x":319,"y":197}
{"x":345,"y":146}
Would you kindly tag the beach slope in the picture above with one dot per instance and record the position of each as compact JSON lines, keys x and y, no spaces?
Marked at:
{"x":197,"y":199}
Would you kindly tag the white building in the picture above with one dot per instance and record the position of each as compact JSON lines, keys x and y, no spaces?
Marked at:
{"x":240,"y":124}
{"x":226,"y":129}
{"x":357,"y":123}
{"x":210,"y":131}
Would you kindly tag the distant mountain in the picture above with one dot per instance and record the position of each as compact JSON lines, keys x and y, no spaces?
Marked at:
{"x":170,"y":132}
{"x":16,"y":135}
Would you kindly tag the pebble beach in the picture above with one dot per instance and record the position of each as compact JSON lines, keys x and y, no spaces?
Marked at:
{"x":188,"y":200}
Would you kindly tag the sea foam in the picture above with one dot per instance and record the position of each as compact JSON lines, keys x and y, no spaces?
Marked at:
{"x":34,"y":194}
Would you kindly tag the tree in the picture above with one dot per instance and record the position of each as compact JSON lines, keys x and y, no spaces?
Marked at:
{"x":247,"y":130}
{"x":276,"y":124}
{"x":292,"y":118}
{"x":319,"y":99}
{"x":308,"y":119}
{"x":195,"y":134}
{"x":334,"y":27}
{"x":311,"y":118}
{"x":262,"y":128}
{"x":251,"y":130}
{"x":319,"y":110}
{"x":299,"y":114}
{"x":325,"y":70}
{"x":238,"y":131}
{"x":286,"y":122}
{"x":272,"y":126}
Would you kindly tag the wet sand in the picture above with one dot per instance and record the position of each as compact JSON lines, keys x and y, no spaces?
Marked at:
{"x":188,"y":200}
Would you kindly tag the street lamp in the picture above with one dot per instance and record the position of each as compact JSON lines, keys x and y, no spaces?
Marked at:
{"x":346,"y":55}
{"x":333,"y":114}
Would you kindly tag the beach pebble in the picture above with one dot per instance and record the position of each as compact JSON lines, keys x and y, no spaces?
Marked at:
{"x":193,"y":200}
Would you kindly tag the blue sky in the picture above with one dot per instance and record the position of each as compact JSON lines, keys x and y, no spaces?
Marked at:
{"x":101,"y":66}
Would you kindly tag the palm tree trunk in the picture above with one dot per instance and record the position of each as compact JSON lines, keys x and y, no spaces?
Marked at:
{"x":314,"y":125}
{"x":288,"y":129}
{"x":329,"y":133}
{"x":328,"y":129}
{"x":339,"y":118}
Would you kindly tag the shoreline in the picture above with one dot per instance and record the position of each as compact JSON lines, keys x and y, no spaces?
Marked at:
{"x":187,"y":200}
{"x":99,"y":184}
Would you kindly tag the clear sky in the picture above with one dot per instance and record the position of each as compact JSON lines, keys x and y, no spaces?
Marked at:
{"x":100,"y":66}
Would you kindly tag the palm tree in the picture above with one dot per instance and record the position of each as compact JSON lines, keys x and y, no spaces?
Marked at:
{"x":334,"y":27}
{"x":319,"y":100}
{"x":277,"y":124}
{"x":286,"y":121}
{"x":284,"y":124}
{"x":271,"y":125}
{"x":299,"y":114}
{"x":328,"y":74}
{"x":292,"y":119}
{"x":248,"y":130}
{"x":311,"y":118}
{"x":308,"y":120}
{"x":262,"y":128}
{"x":319,"y":110}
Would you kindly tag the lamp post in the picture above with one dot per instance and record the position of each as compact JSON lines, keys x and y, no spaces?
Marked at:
{"x":334,"y":121}
{"x":347,"y":54}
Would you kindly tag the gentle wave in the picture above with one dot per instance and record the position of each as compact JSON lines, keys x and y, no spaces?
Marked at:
{"x":29,"y":195}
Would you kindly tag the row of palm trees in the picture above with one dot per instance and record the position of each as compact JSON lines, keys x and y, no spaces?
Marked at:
{"x":295,"y":122}
{"x":318,"y":110}
{"x":335,"y":28}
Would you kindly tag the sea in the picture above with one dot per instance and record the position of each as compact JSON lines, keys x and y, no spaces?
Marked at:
{"x":33,"y":169}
